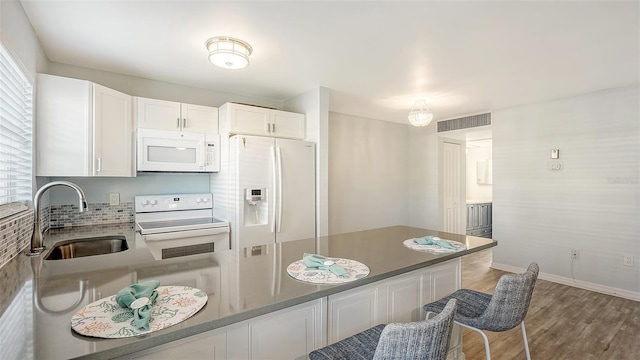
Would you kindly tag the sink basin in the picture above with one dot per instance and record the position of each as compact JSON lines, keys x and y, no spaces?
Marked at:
{"x":71,"y":249}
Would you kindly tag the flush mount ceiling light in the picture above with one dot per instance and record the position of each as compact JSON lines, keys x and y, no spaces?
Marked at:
{"x":420,"y":114}
{"x":228,"y":53}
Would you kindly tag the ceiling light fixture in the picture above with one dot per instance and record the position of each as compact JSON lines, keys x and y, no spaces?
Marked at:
{"x":229,"y":53}
{"x":420,"y":114}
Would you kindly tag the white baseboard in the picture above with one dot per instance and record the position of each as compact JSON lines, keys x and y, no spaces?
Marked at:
{"x":626,"y":294}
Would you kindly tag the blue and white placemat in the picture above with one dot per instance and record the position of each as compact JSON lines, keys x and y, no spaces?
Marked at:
{"x":105,"y":319}
{"x":435,"y":249}
{"x":299,"y":271}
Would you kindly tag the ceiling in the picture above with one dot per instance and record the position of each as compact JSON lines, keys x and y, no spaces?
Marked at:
{"x":376,"y":58}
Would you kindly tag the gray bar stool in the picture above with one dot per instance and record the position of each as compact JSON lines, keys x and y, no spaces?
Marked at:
{"x":423,"y":340}
{"x":502,"y":311}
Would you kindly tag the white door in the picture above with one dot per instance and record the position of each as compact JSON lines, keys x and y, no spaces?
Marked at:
{"x":451,"y":188}
{"x":255,"y":162}
{"x":296,"y":202}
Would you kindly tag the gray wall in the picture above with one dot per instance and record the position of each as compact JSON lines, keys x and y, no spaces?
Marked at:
{"x":368,"y":173}
{"x":592,"y":205}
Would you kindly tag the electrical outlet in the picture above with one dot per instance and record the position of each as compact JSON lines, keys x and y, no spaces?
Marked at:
{"x":627,"y":259}
{"x":114,"y":198}
{"x":575,"y":254}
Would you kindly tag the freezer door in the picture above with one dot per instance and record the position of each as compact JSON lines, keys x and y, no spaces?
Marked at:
{"x":295,"y":190}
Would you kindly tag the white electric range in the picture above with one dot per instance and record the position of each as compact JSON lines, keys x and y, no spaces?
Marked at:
{"x":179,"y":225}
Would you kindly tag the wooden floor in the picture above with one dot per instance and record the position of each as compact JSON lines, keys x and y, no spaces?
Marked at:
{"x":563,"y":322}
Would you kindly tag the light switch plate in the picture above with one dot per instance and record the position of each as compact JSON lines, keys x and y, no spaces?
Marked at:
{"x":114,"y":198}
{"x":555,"y":153}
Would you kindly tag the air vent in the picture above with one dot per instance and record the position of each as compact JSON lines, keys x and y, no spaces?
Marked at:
{"x":187,"y":250}
{"x":465,"y":122}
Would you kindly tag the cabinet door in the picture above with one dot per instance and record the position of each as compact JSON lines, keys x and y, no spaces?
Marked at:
{"x":63,"y":131}
{"x":112,"y":133}
{"x":353,"y":311}
{"x":287,"y":334}
{"x":445,"y":279}
{"x":404,"y":302}
{"x":210,"y":345}
{"x":287,"y":125}
{"x":198,"y":118}
{"x":249,"y":120}
{"x":157,"y":114}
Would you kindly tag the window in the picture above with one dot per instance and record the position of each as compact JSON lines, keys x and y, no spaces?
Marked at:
{"x":16,"y":108}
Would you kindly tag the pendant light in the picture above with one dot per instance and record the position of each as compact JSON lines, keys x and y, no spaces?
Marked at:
{"x":420,"y":114}
{"x":229,"y":53}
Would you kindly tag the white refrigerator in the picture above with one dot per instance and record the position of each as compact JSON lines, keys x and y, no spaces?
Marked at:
{"x":270,"y":188}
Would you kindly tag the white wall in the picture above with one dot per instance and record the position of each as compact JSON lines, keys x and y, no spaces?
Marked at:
{"x":315,"y":105}
{"x":18,"y":36}
{"x":592,"y":205}
{"x":423,"y":188}
{"x":368,"y":173}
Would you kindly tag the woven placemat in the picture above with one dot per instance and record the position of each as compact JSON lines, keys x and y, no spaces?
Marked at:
{"x":105,"y":319}
{"x":299,"y":271}
{"x":435,"y":249}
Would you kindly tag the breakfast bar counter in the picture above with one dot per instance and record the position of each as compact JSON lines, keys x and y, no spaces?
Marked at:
{"x":254,"y":307}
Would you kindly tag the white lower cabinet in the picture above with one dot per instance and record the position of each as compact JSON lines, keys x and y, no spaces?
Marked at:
{"x":397,"y":299}
{"x":291,"y":333}
{"x":287,"y":334}
{"x":209,"y":345}
{"x":294,"y":332}
{"x":353,"y":311}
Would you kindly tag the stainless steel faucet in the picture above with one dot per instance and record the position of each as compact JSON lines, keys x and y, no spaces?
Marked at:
{"x":36,"y":237}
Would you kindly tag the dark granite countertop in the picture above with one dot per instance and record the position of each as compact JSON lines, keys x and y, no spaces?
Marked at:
{"x":241,"y":284}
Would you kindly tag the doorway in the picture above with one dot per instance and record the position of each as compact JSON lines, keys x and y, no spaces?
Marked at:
{"x":466,"y":168}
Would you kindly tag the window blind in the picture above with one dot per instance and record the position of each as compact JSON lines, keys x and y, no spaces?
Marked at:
{"x":16,"y":109}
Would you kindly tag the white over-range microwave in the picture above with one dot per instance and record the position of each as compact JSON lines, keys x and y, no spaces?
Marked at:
{"x":177,"y":151}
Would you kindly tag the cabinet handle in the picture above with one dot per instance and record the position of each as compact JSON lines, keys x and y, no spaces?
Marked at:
{"x":184,"y":123}
{"x":178,"y":123}
{"x":99,"y":164}
{"x":268,"y":127}
{"x":273,"y":128}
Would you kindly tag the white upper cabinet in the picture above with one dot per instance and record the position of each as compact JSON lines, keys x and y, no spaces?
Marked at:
{"x":82,"y":129}
{"x":170,"y":115}
{"x":254,"y":120}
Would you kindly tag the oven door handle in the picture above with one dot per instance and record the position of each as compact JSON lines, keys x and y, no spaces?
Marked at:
{"x":185,"y":234}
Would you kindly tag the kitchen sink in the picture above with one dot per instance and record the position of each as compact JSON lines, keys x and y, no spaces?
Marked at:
{"x":71,"y":249}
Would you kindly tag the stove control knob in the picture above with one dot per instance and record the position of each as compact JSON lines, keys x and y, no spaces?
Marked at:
{"x":144,"y":202}
{"x":154,"y":202}
{"x":198,"y":200}
{"x":206,"y":200}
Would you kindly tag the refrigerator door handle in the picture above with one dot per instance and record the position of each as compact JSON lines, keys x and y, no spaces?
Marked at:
{"x":279,"y":161}
{"x":273,"y":197}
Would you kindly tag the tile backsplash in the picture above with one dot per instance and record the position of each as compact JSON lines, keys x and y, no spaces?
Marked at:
{"x":97,"y":213}
{"x":15,"y":231}
{"x":15,"y":235}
